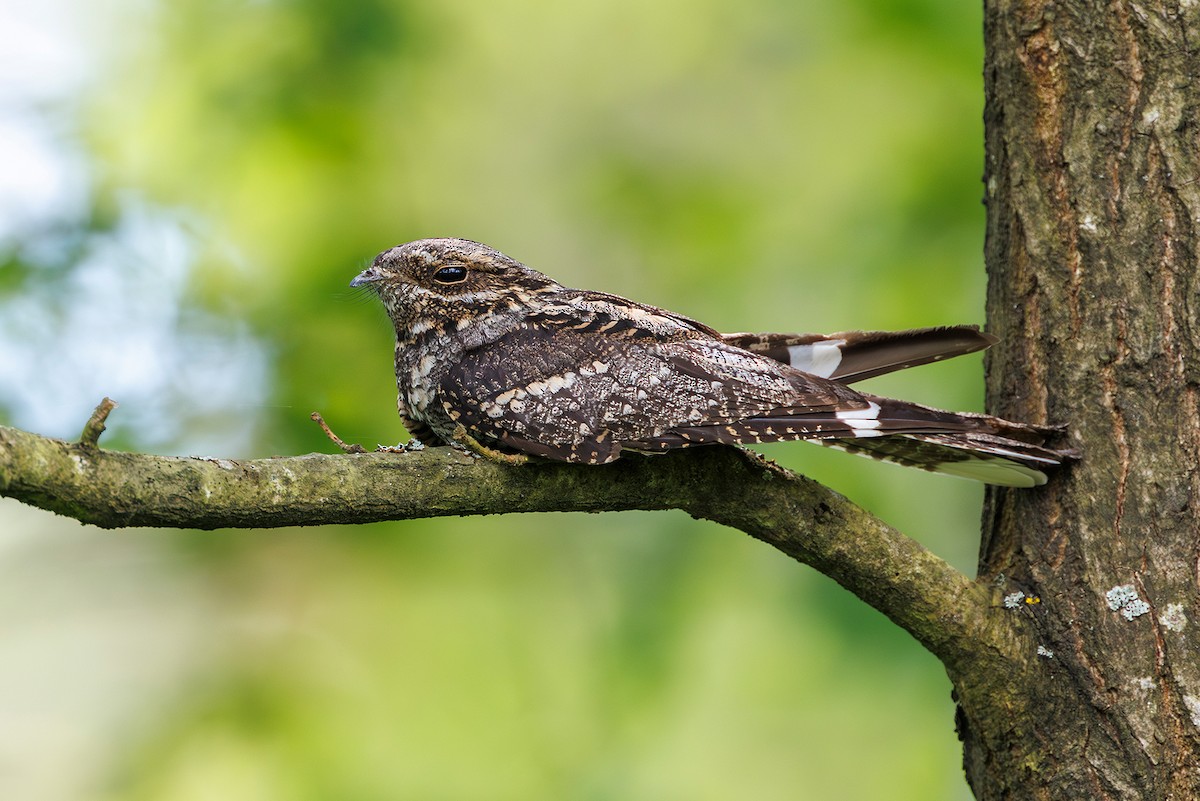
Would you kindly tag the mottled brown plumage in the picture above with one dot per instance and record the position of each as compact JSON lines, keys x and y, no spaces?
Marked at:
{"x":524,"y":363}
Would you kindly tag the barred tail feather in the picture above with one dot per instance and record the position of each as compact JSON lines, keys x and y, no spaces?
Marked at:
{"x":983,"y":448}
{"x":981,"y":457}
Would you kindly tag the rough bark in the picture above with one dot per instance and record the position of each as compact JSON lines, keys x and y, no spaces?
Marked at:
{"x":1093,"y":196}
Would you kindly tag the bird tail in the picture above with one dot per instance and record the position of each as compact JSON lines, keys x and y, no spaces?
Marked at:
{"x":986,"y":448}
{"x":975,"y":446}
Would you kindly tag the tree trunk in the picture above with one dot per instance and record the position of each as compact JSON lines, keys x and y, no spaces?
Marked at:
{"x":1093,"y":196}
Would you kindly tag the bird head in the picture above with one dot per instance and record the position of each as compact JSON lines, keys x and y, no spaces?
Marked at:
{"x":446,"y":283}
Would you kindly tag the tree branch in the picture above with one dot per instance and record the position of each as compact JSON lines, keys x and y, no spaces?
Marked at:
{"x":955,"y":618}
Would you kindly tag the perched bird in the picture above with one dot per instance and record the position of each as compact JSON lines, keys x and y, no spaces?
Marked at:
{"x":495,"y":355}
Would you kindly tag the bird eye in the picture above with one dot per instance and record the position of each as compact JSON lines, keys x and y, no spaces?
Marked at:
{"x":451,"y":274}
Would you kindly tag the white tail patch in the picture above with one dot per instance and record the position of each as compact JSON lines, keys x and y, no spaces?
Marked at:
{"x":818,"y":358}
{"x":864,"y":422}
{"x":997,"y":471}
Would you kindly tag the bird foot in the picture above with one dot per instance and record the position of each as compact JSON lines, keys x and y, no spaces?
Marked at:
{"x":472,"y":445}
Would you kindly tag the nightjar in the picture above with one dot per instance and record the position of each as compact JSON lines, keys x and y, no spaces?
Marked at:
{"x":488,"y":349}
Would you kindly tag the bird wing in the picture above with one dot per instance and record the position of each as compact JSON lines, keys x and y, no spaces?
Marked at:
{"x":852,"y":356}
{"x":580,"y":390}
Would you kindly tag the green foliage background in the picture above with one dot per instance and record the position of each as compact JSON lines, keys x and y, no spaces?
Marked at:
{"x":763,"y":165}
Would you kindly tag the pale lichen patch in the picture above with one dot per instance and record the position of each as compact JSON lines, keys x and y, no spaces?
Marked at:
{"x":1124,"y":597}
{"x":1013,"y":600}
{"x":1173,"y":618}
{"x":1135,"y":609}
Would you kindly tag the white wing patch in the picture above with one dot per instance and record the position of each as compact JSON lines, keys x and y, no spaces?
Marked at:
{"x":817,"y":358}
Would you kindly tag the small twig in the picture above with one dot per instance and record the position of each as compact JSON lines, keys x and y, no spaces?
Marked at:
{"x":346,"y":447}
{"x":95,"y":424}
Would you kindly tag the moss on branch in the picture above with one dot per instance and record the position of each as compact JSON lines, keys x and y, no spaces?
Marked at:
{"x":938,"y":605}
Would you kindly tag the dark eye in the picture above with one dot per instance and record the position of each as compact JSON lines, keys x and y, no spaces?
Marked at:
{"x":451,"y":274}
